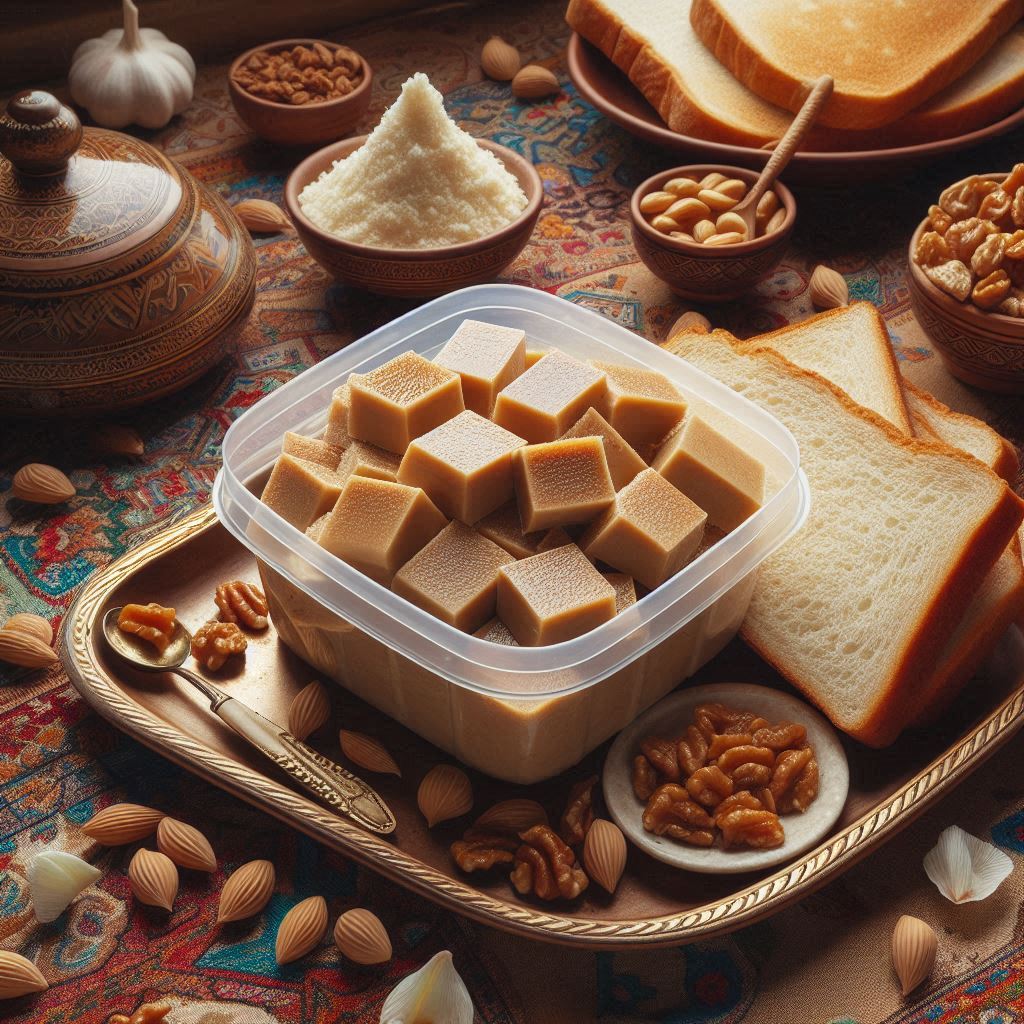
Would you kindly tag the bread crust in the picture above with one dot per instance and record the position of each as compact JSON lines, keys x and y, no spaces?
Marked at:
{"x":897,"y":699}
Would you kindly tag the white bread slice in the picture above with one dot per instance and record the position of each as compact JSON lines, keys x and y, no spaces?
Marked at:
{"x":849,"y":346}
{"x":932,"y":418}
{"x":695,"y":95}
{"x":855,"y":608}
{"x":886,"y":58}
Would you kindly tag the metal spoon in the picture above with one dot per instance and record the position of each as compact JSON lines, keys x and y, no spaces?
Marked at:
{"x":327,"y":781}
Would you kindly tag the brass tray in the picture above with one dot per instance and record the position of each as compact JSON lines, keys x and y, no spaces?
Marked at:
{"x":655,"y":905}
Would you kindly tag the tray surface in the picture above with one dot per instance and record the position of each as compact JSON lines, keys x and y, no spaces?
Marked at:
{"x":654,"y":905}
{"x":603,"y":85}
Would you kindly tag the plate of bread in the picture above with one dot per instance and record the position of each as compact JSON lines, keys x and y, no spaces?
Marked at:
{"x":723,"y":78}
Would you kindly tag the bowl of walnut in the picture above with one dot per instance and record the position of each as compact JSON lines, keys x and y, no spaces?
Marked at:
{"x":967,"y":279}
{"x":300,"y":92}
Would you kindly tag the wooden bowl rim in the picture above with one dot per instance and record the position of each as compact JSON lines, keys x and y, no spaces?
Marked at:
{"x":303,"y":174}
{"x":236,"y":90}
{"x":714,"y":253}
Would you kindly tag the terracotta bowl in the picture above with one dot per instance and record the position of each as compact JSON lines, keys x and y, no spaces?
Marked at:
{"x":414,"y":273}
{"x":312,"y":124}
{"x":983,"y":349}
{"x":709,"y":273}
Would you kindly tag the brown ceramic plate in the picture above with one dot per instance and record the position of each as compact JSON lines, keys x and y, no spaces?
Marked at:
{"x":655,"y":905}
{"x":603,"y":85}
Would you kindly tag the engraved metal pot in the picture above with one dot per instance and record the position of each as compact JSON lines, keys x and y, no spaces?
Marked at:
{"x":121,"y":277}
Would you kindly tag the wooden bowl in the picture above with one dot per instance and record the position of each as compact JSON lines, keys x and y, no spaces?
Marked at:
{"x":709,"y":273}
{"x":982,"y":349}
{"x":414,"y":273}
{"x":311,"y":124}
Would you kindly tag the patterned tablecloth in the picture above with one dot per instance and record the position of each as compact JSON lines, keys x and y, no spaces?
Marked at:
{"x":822,"y":960}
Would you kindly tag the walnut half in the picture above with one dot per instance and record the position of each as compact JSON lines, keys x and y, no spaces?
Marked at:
{"x":579,"y":812}
{"x":242,"y":602}
{"x":215,"y":642}
{"x":545,"y":866}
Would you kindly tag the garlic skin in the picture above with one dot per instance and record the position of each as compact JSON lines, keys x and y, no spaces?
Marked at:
{"x":964,"y":868}
{"x":55,"y":879}
{"x":131,"y":75}
{"x":432,"y":995}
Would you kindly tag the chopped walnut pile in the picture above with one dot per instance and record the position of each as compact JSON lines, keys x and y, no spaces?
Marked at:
{"x":215,"y":642}
{"x":300,"y":74}
{"x":730,"y":774}
{"x":242,"y":602}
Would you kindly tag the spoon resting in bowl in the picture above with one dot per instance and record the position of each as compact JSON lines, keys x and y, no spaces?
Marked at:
{"x":329,"y":782}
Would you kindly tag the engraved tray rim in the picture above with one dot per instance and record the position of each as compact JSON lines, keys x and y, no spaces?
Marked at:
{"x":757,"y":900}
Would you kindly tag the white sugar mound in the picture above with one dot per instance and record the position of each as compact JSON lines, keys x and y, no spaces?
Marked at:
{"x":418,"y":182}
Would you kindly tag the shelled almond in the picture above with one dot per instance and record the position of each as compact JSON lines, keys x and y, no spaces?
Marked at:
{"x":534,"y":82}
{"x":309,"y":710}
{"x":604,"y":853}
{"x":19,"y":976}
{"x":31,"y":625}
{"x":368,"y":753}
{"x":117,"y":439}
{"x":42,"y":484}
{"x":185,"y":845}
{"x":247,"y":891}
{"x":24,"y":649}
{"x":260,"y":216}
{"x":301,"y":930}
{"x":153,"y":879}
{"x":828,"y":288}
{"x":119,"y":824}
{"x":499,"y":60}
{"x":361,"y":936}
{"x":513,"y":816}
{"x":444,"y":793}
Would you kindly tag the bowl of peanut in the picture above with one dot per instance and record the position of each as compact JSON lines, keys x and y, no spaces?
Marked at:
{"x":687,"y":233}
{"x":300,"y":92}
{"x":967,"y":279}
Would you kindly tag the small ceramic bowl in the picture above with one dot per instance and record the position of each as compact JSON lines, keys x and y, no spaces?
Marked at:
{"x":414,"y":273}
{"x":311,"y":124}
{"x":709,"y":273}
{"x":983,"y":349}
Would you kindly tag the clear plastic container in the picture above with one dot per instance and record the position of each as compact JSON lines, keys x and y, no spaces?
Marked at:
{"x":517,"y":713}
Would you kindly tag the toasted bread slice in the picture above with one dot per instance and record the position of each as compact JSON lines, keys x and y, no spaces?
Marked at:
{"x":849,"y":346}
{"x":886,"y":58}
{"x":854,"y":610}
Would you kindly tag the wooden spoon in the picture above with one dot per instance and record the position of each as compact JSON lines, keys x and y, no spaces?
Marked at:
{"x":787,"y":146}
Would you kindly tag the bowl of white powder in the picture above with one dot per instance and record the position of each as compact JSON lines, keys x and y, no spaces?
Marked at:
{"x":418,"y":207}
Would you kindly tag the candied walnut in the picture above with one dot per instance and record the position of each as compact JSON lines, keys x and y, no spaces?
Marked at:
{"x":1014,"y":246}
{"x":760,"y":830}
{"x":709,"y":786}
{"x":938,"y":219}
{"x":996,"y":205}
{"x":952,"y":277}
{"x":717,"y":719}
{"x":215,"y":642}
{"x":691,"y":836}
{"x":1011,"y":306}
{"x":579,"y":812}
{"x":662,"y":754}
{"x":671,"y":805}
{"x":963,"y":198}
{"x":766,"y":799}
{"x":151,"y":622}
{"x":747,"y":754}
{"x":692,"y":752}
{"x":479,"y":850}
{"x":803,"y":792}
{"x":645,"y":778}
{"x":991,"y":290}
{"x":931,"y":249}
{"x":242,"y":602}
{"x":1015,"y":179}
{"x":147,"y":1013}
{"x":788,"y":766}
{"x":545,"y":866}
{"x":730,"y":803}
{"x":966,"y":235}
{"x":751,"y":776}
{"x":1017,"y":208}
{"x":781,"y":736}
{"x":720,"y":744}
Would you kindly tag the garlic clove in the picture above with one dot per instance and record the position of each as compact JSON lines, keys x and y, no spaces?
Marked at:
{"x":444,"y":793}
{"x":964,"y":868}
{"x":914,"y":944}
{"x":247,"y":891}
{"x":55,"y":878}
{"x":185,"y":845}
{"x":310,"y":708}
{"x":19,"y":976}
{"x":368,"y":753}
{"x":301,"y":930}
{"x":433,"y":994}
{"x":362,"y":937}
{"x":604,"y":853}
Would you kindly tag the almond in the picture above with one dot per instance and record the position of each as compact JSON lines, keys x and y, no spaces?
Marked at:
{"x":310,"y":708}
{"x":368,"y":753}
{"x":117,"y":439}
{"x":499,"y":60}
{"x":44,"y":485}
{"x":20,"y":648}
{"x":119,"y":824}
{"x":19,"y":976}
{"x":512,"y":816}
{"x":361,"y":936}
{"x":914,"y":944}
{"x":604,"y":853}
{"x":691,"y":320}
{"x":301,"y":930}
{"x":444,"y":793}
{"x":153,"y":878}
{"x":185,"y":845}
{"x":828,"y":288}
{"x":33,"y":625}
{"x":247,"y":891}
{"x":260,"y":216}
{"x":534,"y":82}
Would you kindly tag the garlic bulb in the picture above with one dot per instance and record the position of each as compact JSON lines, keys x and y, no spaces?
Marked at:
{"x":132,"y":75}
{"x":55,"y":879}
{"x":434,"y":994}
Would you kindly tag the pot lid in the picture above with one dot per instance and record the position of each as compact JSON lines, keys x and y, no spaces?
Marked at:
{"x":74,"y":198}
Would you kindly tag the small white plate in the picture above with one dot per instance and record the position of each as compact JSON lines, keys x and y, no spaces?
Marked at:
{"x":669,"y":717}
